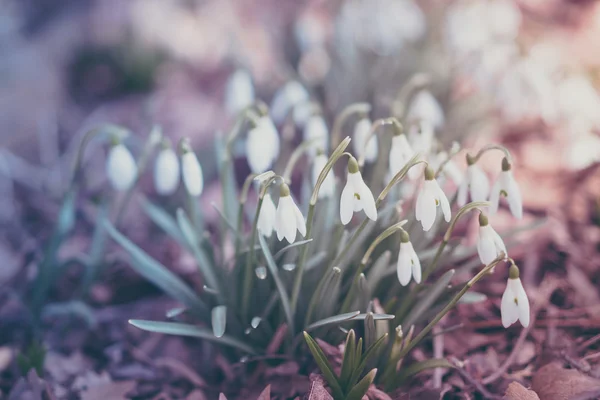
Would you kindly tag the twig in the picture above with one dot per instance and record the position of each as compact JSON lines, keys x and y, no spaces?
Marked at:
{"x":590,"y":342}
{"x":480,"y":388}
{"x":548,"y":287}
{"x":438,"y":352}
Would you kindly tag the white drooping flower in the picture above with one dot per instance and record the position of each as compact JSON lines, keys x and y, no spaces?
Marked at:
{"x":166,"y":171}
{"x":262,"y":145}
{"x":421,"y":137}
{"x":356,"y":195}
{"x":316,"y":132}
{"x":121,"y":168}
{"x":506,"y":186}
{"x":408,"y":261}
{"x":288,"y":217}
{"x":424,"y":107}
{"x":430,"y":197}
{"x":191,"y":171}
{"x":361,"y":147}
{"x":489,"y":244}
{"x":515,"y":304}
{"x":287,"y":97}
{"x":327,"y":188}
{"x":400,"y":153}
{"x":474,"y":183}
{"x":239,"y":92}
{"x":267,"y":216}
{"x":450,"y":169}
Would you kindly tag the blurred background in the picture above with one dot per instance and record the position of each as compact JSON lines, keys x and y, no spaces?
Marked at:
{"x":523,"y":73}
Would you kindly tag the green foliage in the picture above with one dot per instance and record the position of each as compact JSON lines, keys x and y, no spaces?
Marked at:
{"x":32,"y":358}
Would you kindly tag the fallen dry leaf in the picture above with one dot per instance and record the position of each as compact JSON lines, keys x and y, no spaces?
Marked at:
{"x":553,"y":382}
{"x":113,"y":391}
{"x":317,"y":389}
{"x":196,"y":395}
{"x":516,"y":391}
{"x":265,"y":394}
{"x":222,"y":396}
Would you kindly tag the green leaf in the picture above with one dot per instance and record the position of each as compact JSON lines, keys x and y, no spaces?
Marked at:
{"x":165,"y":221}
{"x":417,"y":367}
{"x":349,"y":359}
{"x":157,"y":273}
{"x":218,"y":317}
{"x":202,"y":260}
{"x":291,"y":246}
{"x":472,"y":298}
{"x":371,"y":352}
{"x":324,"y":366}
{"x":432,"y":294}
{"x":361,"y":388}
{"x":179,"y":329}
{"x":377,"y":270}
{"x":283,"y":296}
{"x":227,"y":222}
{"x":376,"y":317}
{"x":336,"y":319}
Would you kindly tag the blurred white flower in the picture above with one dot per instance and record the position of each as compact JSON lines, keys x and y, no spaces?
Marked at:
{"x":430,"y":197}
{"x":356,"y":195}
{"x":262,"y":145}
{"x":408,"y":262}
{"x":267,"y":216}
{"x":425,"y":107}
{"x":288,"y":217}
{"x":327,"y":188}
{"x":421,"y":136}
{"x":239,"y":92}
{"x":578,"y":100}
{"x":286,"y":98}
{"x":316,"y":131}
{"x":489,"y":244}
{"x":474,"y":183}
{"x":450,"y":170}
{"x":191,"y":173}
{"x":121,"y":168}
{"x":361,"y":132}
{"x":506,"y":186}
{"x":400,"y":153}
{"x":515,"y":304}
{"x":166,"y":171}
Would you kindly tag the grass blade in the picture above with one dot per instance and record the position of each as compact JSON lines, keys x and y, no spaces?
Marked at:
{"x":291,"y":246}
{"x":165,"y":221}
{"x":417,"y":367}
{"x":283,"y":296}
{"x":157,"y":273}
{"x":360,"y":389}
{"x":349,"y":360}
{"x":371,"y":352}
{"x":336,"y":319}
{"x":176,"y":328}
{"x":218,"y":317}
{"x":324,"y":366}
{"x":430,"y":297}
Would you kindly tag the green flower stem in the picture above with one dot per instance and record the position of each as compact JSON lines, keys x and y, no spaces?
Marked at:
{"x":489,"y":147}
{"x":248,"y":275}
{"x":240,"y":215}
{"x":336,"y":155}
{"x":342,"y":117}
{"x":375,"y":128}
{"x":294,"y":157}
{"x":450,"y":305}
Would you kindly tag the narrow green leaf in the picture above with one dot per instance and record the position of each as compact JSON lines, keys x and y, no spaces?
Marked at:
{"x":370,"y":331}
{"x":376,"y":272}
{"x":193,"y":243}
{"x":218,"y":317}
{"x":227,"y":222}
{"x":285,"y":302}
{"x":66,"y":215}
{"x":291,"y":246}
{"x":165,"y":221}
{"x":361,"y":388}
{"x":349,"y":360}
{"x":157,"y":273}
{"x":336,"y":319}
{"x":472,"y":298}
{"x":420,"y":366}
{"x":179,"y":329}
{"x":324,"y":366}
{"x":371,"y":352}
{"x":376,"y":317}
{"x":428,"y":299}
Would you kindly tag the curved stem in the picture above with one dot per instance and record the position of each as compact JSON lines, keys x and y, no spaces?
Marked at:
{"x":252,"y":112}
{"x":489,"y":147}
{"x":337,"y":153}
{"x":415,"y":83}
{"x":373,"y":131}
{"x":342,"y":117}
{"x":248,"y":274}
{"x":294,"y":157}
{"x":240,"y":215}
{"x":446,"y":161}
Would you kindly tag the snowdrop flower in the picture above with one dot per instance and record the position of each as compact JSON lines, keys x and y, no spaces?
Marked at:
{"x":361,"y":131}
{"x":450,"y":169}
{"x":287,"y":97}
{"x":239,"y":92}
{"x":430,"y":197}
{"x":400,"y":153}
{"x":424,"y":107}
{"x":475,"y":182}
{"x":327,"y":188}
{"x":316,"y":131}
{"x":267,"y":216}
{"x":408,"y":262}
{"x":515,"y":304}
{"x":121,"y":168}
{"x":421,"y":137}
{"x":262,"y":145}
{"x":191,"y":171}
{"x":356,"y":195}
{"x":166,"y":170}
{"x":489,"y":244}
{"x":506,"y":186}
{"x":288,"y":217}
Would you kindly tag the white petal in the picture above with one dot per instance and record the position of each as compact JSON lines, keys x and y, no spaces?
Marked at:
{"x":444,"y":204}
{"x":260,"y":148}
{"x":416,"y":265}
{"x":289,"y":218}
{"x":300,"y":222}
{"x":316,"y":131}
{"x":495,"y":196}
{"x":367,"y":201}
{"x":287,"y":97}
{"x":361,"y":131}
{"x":121,"y":168}
{"x":239,"y":92}
{"x":485,"y":245}
{"x":498,"y":242}
{"x":280,"y":226}
{"x":347,"y":202}
{"x":523,"y":304}
{"x":191,"y":173}
{"x":461,"y":197}
{"x":515,"y":202}
{"x":425,"y":107}
{"x":166,"y":172}
{"x":426,"y":208}
{"x":266,"y":217}
{"x":508,"y":308}
{"x":403,"y":267}
{"x":480,"y":186}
